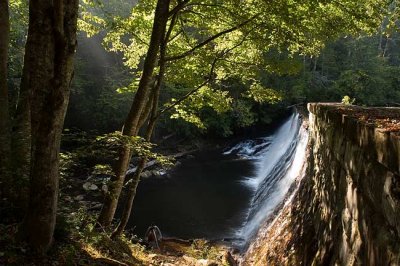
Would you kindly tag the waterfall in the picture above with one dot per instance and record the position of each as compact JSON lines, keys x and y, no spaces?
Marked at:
{"x":278,"y":160}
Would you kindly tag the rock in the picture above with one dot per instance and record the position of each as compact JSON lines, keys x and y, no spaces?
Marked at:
{"x":84,"y":202}
{"x":68,"y":198}
{"x":193,"y":261}
{"x":96,"y":206}
{"x":86,"y":185}
{"x":202,"y":262}
{"x":79,"y":197}
{"x":93,"y":187}
{"x":146,"y":174}
{"x":190,"y":260}
{"x":152,"y":256}
{"x":155,"y":172}
{"x":229,"y":259}
{"x":90,"y":186}
{"x":190,"y":156}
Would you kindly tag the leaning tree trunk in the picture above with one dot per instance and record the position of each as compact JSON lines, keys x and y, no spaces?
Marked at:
{"x":5,"y":135}
{"x":126,"y":213}
{"x":48,"y":70}
{"x":133,"y":123}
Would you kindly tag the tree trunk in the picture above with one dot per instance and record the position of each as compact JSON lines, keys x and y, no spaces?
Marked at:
{"x":132,"y":123}
{"x":142,"y":164}
{"x":5,"y":130}
{"x":48,"y":70}
{"x":129,"y":200}
{"x":384,"y":52}
{"x":21,"y":142}
{"x":149,"y":131}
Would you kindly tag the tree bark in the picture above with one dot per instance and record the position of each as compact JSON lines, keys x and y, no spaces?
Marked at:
{"x":5,"y":130}
{"x":48,"y":70}
{"x":149,"y":131}
{"x":141,"y":166}
{"x":129,"y":200}
{"x":131,"y":126}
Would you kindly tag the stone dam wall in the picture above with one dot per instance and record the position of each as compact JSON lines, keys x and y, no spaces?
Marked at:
{"x":346,"y":209}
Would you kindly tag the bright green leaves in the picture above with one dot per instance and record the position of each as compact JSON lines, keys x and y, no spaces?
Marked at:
{"x":89,"y":21}
{"x":263,"y":95}
{"x":133,"y":48}
{"x":19,"y":10}
{"x":303,"y":26}
{"x":132,"y":87}
{"x":130,"y":35}
{"x":390,"y":26}
{"x":139,"y":146}
{"x":189,"y":116}
{"x":217,"y":100}
{"x":116,"y":139}
{"x":347,"y":100}
{"x":18,"y":33}
{"x":219,"y":41}
{"x":205,"y":97}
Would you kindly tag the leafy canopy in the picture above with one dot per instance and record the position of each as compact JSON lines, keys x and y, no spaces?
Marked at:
{"x":233,"y":39}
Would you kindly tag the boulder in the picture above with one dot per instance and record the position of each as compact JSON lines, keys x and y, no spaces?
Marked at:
{"x":146,"y":174}
{"x":90,"y":186}
{"x":79,"y":197}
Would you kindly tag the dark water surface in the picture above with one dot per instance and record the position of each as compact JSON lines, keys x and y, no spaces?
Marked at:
{"x":203,"y":197}
{"x":224,"y":194}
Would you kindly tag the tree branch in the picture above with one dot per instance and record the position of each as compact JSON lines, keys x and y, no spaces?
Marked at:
{"x":205,"y":42}
{"x":349,"y":11}
{"x":190,"y":92}
{"x":213,"y":6}
{"x":175,"y":36}
{"x":210,"y":76}
{"x":170,"y":28}
{"x":178,"y":7}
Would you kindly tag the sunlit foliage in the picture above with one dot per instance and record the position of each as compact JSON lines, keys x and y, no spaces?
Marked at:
{"x":247,"y":33}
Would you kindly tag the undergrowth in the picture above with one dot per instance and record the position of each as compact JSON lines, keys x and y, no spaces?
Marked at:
{"x":77,"y":241}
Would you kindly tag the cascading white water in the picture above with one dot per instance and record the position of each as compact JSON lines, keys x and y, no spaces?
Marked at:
{"x":279,"y":159}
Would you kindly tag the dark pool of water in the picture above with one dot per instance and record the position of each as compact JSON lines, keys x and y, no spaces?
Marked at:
{"x":203,"y":197}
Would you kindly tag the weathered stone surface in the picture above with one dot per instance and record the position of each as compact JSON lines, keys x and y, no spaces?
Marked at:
{"x":90,"y":186}
{"x":145,"y":174}
{"x":347,"y":208}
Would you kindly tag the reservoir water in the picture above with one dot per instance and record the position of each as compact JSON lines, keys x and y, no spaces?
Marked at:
{"x":224,"y":194}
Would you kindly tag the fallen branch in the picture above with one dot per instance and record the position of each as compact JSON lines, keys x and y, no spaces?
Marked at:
{"x":154,"y":162}
{"x":181,"y":154}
